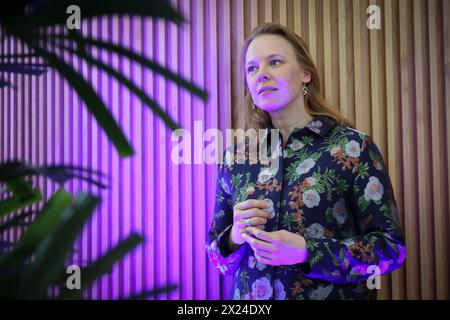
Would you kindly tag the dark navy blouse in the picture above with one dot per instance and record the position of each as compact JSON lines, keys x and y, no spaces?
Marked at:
{"x":332,"y":187}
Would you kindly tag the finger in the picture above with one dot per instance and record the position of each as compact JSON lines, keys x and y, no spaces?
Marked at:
{"x":262,"y":259}
{"x":259,"y":244}
{"x":262,"y":235}
{"x":251,"y":222}
{"x":252,"y":203}
{"x":253,"y":212}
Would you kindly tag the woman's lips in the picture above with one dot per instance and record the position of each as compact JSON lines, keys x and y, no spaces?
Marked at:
{"x":266,"y":92}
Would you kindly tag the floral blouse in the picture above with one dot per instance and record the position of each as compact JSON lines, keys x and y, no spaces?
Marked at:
{"x":332,"y":187}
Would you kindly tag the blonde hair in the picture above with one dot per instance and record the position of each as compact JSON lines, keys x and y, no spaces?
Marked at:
{"x":315,"y":103}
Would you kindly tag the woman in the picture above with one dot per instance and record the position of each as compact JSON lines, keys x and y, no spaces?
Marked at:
{"x":325,"y":221}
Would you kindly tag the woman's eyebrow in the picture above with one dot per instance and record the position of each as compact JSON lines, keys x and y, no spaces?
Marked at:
{"x":270,"y":56}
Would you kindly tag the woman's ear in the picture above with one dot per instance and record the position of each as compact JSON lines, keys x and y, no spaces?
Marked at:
{"x":306,"y":77}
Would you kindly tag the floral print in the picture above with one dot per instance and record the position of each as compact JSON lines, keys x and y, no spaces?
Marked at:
{"x":332,"y":187}
{"x":280,"y":293}
{"x":262,"y":289}
{"x":311,"y":198}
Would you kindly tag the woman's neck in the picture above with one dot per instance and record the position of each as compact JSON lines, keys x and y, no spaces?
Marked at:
{"x":288,"y":119}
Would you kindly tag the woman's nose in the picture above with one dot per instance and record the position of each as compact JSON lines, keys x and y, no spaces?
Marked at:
{"x":262,"y":77}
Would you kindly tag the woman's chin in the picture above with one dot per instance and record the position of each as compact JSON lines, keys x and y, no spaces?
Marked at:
{"x":271,"y":108}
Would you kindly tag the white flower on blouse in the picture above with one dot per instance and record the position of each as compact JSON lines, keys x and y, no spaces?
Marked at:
{"x":374,"y":189}
{"x":321,"y":293}
{"x":315,"y":126}
{"x":266,"y":174}
{"x":340,"y":212}
{"x":260,"y":266}
{"x":315,"y":231}
{"x":271,"y":209}
{"x":305,"y":166}
{"x":228,"y":157}
{"x":311,"y":198}
{"x":348,"y":242}
{"x":279,"y":292}
{"x":261,"y":289}
{"x":225,"y":186}
{"x":251,"y":262}
{"x":352,"y":149}
{"x":296,"y":145}
{"x":237,"y":294}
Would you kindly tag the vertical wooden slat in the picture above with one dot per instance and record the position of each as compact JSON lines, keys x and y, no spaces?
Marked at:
{"x":392,"y":121}
{"x":423,"y":153}
{"x":357,"y":63}
{"x":213,"y":287}
{"x":312,"y":28}
{"x":283,"y":12}
{"x":343,"y":79}
{"x":186,"y":174}
{"x":327,"y":81}
{"x":297,"y":12}
{"x":253,"y":14}
{"x":446,"y":51}
{"x":268,"y":13}
{"x":437,"y":153}
{"x":410,"y":205}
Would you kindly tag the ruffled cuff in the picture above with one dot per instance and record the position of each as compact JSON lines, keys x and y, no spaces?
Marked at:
{"x":226,"y":262}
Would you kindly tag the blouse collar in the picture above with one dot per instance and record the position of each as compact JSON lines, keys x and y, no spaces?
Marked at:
{"x":320,"y":124}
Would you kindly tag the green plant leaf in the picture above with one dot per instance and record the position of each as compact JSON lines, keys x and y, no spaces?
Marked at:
{"x":39,"y":229}
{"x":103,"y":265}
{"x":50,"y":255}
{"x":23,"y":196}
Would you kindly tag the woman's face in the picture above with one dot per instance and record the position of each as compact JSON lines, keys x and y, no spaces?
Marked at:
{"x":271,"y":62}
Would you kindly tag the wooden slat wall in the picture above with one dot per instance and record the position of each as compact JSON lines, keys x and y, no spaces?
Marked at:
{"x":393,"y":82}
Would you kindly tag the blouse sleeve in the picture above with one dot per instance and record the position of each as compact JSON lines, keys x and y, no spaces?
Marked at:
{"x":224,"y":261}
{"x":378,"y":247}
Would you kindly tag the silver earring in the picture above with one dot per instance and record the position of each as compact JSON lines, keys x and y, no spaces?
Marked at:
{"x":305,"y":89}
{"x":253,"y":106}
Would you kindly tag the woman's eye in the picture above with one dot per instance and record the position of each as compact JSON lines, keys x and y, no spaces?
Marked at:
{"x":250,"y":69}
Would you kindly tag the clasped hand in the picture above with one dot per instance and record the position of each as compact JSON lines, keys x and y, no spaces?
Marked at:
{"x":278,"y":247}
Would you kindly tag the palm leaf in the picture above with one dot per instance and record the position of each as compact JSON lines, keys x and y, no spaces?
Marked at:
{"x":50,"y":254}
{"x":102,"y":266}
{"x":36,"y":233}
{"x":23,"y":195}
